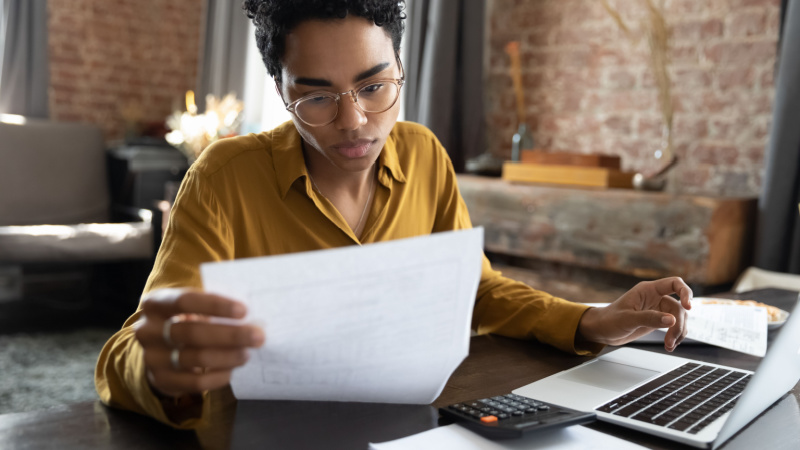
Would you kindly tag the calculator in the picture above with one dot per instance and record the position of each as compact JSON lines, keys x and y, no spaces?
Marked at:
{"x":512,"y":416}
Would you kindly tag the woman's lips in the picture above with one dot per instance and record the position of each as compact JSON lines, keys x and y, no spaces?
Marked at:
{"x":354,"y":149}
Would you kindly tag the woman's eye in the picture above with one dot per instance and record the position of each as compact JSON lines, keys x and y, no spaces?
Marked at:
{"x":372,"y":88}
{"x":317,"y":100}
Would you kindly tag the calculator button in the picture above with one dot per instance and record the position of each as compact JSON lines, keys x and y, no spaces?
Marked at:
{"x":493,"y":412}
{"x":488,"y":419}
{"x":530,"y":410}
{"x":502,"y":416}
{"x":543,"y":407}
{"x":457,"y":406}
{"x":516,"y":413}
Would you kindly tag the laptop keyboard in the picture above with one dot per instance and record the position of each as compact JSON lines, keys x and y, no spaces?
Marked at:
{"x":686,"y":399}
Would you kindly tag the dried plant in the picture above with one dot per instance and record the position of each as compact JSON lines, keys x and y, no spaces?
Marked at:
{"x":192,"y":133}
{"x":658,"y":38}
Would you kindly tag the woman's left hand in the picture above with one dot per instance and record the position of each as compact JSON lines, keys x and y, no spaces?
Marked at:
{"x":641,"y":310}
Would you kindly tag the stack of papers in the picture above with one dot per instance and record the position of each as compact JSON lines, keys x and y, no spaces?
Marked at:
{"x":458,"y":438}
{"x":386,"y":322}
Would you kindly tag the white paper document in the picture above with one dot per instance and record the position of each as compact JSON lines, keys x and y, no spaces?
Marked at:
{"x":735,"y":327}
{"x":742,"y":328}
{"x":454,"y":437}
{"x":386,"y":322}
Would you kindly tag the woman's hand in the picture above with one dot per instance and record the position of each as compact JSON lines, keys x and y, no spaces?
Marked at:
{"x":638,"y":312}
{"x":185,"y":351}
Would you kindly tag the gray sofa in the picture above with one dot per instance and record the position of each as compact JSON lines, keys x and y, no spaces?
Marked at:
{"x":55,"y":203}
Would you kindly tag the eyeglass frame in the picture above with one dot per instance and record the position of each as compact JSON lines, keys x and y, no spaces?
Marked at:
{"x":399,"y":82}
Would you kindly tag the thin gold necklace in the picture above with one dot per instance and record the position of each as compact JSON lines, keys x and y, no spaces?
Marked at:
{"x":366,"y":205}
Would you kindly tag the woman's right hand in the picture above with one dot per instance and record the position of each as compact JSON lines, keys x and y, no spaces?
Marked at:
{"x":185,"y":351}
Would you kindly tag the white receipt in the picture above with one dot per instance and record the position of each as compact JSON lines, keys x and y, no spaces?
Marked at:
{"x":454,"y":437}
{"x":736,"y":327}
{"x":386,"y":322}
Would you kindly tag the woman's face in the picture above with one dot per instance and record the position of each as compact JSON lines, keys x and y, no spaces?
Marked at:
{"x":336,"y":56}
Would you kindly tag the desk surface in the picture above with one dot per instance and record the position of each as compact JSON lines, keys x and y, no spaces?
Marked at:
{"x":495,"y":366}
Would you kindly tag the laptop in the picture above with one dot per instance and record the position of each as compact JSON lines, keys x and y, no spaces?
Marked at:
{"x":688,"y":401}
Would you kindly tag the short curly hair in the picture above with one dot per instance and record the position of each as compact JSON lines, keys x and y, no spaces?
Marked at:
{"x":274,"y":19}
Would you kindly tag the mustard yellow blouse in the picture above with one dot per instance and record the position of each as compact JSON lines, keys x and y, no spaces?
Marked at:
{"x":251,"y":196}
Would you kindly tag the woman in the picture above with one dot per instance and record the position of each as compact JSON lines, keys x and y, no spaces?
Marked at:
{"x":342,"y":172}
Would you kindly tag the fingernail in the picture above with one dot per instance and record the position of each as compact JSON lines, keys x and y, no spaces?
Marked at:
{"x":666,"y":320}
{"x":239,"y":309}
{"x":257,"y":337}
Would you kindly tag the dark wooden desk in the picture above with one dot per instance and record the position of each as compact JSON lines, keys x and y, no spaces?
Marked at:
{"x":495,"y":366}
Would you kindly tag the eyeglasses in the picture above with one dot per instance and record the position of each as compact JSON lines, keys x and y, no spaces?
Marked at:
{"x":375,"y":96}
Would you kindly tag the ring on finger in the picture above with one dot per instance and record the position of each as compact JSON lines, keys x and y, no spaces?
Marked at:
{"x":166,"y":332}
{"x":175,"y":358}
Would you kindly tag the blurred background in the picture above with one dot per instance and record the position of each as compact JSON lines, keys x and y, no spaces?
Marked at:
{"x":600,"y":143}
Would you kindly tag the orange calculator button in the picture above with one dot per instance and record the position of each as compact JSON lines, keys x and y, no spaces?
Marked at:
{"x":488,"y":419}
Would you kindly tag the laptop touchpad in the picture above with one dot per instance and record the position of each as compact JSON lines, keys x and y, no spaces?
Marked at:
{"x":608,"y":375}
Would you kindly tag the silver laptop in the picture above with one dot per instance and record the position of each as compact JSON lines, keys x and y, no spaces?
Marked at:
{"x":687,"y":401}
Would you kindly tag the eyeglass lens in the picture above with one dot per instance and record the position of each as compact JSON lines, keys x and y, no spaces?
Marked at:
{"x":372,"y":98}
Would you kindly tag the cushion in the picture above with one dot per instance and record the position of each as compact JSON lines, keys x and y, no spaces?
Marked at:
{"x":52,"y":173}
{"x":71,"y":243}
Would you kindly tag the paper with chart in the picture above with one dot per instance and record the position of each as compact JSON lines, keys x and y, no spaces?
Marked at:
{"x":386,"y":322}
{"x":736,"y":327}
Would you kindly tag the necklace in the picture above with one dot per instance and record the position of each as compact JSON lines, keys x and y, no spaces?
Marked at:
{"x":366,"y":205}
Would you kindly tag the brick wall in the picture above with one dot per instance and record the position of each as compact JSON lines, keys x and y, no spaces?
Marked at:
{"x":110,"y":59}
{"x":589,"y":89}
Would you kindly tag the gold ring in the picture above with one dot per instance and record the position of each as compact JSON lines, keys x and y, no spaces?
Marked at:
{"x":175,"y":358}
{"x":166,"y":331}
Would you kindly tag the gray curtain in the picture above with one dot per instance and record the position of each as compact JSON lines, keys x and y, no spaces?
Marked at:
{"x":444,"y":73}
{"x":223,"y":50}
{"x":24,"y":73}
{"x":778,"y":239}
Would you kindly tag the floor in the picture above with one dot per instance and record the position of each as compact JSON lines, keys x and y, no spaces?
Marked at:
{"x":45,"y":369}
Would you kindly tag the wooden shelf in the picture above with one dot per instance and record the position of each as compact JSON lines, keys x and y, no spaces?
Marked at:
{"x":706,"y":240}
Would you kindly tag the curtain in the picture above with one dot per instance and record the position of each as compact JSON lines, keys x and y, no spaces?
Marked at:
{"x":778,"y":232}
{"x":24,"y":68}
{"x":224,"y":50}
{"x":444,"y":73}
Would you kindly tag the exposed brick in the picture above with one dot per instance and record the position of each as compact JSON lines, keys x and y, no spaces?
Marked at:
{"x":767,"y":78}
{"x":622,"y":124}
{"x":686,"y":7}
{"x":696,"y":30}
{"x":684,"y":53}
{"x":693,"y":177}
{"x":104,"y":55}
{"x":754,"y":154}
{"x":620,"y":79}
{"x":736,"y":4}
{"x":773,"y":22}
{"x":593,"y":88}
{"x":739,"y":77}
{"x":716,"y":154}
{"x":746,"y":23}
{"x":742,"y":54}
{"x":690,"y":127}
{"x":650,"y":126}
{"x":691,"y":77}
